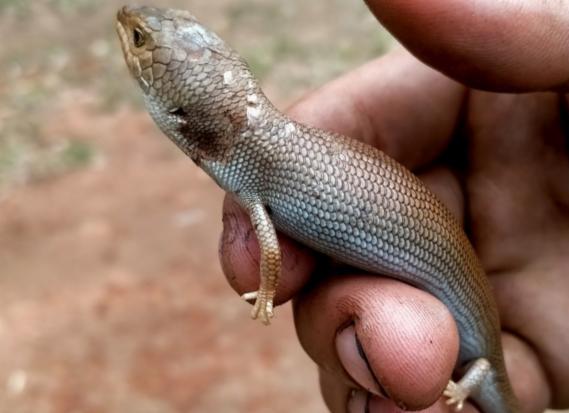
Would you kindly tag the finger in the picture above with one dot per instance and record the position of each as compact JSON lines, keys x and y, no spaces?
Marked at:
{"x":377,"y":405}
{"x":529,"y":381}
{"x":335,"y":392}
{"x":395,"y":103}
{"x":404,"y":342}
{"x":495,"y":45}
{"x":239,"y":255}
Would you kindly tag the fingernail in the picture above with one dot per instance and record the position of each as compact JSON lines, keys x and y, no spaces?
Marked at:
{"x":354,"y":360}
{"x":358,"y":402}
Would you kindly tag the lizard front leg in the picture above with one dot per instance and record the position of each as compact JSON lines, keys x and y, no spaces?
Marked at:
{"x":270,"y":266}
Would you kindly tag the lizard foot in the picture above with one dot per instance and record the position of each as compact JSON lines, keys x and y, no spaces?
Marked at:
{"x":263,"y":307}
{"x":456,"y":394}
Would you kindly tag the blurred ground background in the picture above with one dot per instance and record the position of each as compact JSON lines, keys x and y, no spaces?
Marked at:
{"x":112,"y":299}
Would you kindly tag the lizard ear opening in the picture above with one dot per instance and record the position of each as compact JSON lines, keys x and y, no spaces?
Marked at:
{"x":177,"y":111}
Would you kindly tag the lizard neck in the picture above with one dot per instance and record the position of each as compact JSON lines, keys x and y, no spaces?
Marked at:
{"x":207,"y":119}
{"x":253,"y":146}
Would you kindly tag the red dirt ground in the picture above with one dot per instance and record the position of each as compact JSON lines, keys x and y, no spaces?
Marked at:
{"x":120,"y":304}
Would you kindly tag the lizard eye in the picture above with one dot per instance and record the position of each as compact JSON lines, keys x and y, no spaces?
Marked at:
{"x":138,"y":37}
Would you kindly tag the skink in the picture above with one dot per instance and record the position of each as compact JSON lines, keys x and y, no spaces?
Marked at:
{"x":334,"y":194}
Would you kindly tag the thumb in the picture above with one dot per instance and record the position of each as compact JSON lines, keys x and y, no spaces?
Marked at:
{"x":498,"y":45}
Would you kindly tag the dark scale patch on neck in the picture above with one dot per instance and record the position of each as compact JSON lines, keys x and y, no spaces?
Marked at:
{"x":211,"y":138}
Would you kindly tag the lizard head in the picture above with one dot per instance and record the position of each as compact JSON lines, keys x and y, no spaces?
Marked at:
{"x":191,"y":79}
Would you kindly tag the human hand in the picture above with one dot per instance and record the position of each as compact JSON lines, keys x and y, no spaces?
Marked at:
{"x":498,"y":161}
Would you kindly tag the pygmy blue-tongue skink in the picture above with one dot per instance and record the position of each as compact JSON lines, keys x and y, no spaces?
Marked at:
{"x":334,"y":194}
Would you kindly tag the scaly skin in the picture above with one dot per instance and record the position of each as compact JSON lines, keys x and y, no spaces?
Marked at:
{"x":336,"y":195}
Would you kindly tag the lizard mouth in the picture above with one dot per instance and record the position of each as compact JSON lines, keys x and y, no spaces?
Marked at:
{"x":130,"y":58}
{"x":123,"y":36}
{"x":120,"y":26}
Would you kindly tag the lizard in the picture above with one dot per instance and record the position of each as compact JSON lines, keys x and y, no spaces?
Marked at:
{"x":332,"y":193}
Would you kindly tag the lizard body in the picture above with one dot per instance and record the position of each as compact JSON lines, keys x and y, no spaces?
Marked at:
{"x":334,"y":194}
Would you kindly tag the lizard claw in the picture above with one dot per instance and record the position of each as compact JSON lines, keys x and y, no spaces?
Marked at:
{"x":263,"y":307}
{"x":250,"y":296}
{"x":456,"y":395}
